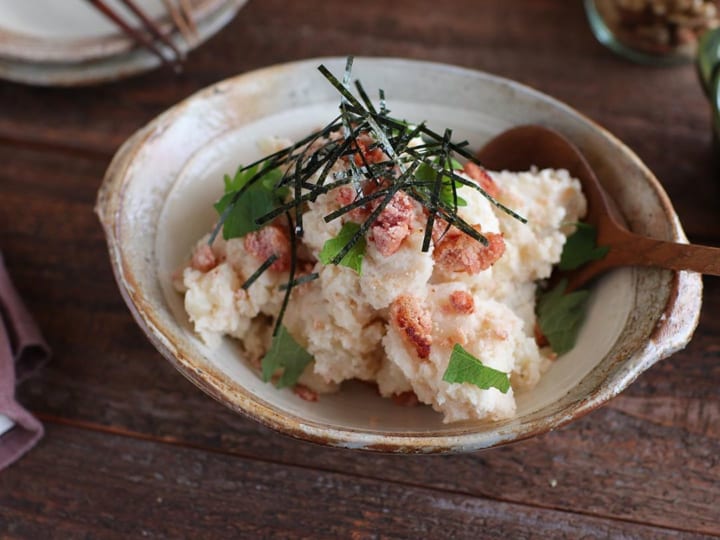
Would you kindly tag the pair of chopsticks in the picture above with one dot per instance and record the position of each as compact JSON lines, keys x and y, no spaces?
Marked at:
{"x":152,"y":37}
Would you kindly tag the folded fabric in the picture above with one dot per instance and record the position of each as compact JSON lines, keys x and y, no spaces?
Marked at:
{"x":22,"y":352}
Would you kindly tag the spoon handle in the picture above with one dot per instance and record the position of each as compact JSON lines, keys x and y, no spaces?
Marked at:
{"x":637,"y":250}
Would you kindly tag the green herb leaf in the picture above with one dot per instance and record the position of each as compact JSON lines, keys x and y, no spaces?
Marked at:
{"x":708,"y":59}
{"x":285,"y":353}
{"x":581,"y":248}
{"x":715,"y":100}
{"x":425,"y":173}
{"x":561,"y":315}
{"x":228,"y":184}
{"x":242,"y":176}
{"x":259,"y":199}
{"x":465,"y":368}
{"x":253,"y":204}
{"x":353,"y":258}
{"x":446,"y":195}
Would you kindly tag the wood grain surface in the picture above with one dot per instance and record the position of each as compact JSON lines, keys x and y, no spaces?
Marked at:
{"x":134,"y":450}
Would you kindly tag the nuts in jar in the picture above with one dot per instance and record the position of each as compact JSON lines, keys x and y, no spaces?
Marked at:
{"x":652,"y":29}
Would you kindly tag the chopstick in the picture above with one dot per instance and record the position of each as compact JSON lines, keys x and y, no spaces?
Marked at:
{"x":139,"y":36}
{"x":186,"y":8}
{"x":182,"y":18}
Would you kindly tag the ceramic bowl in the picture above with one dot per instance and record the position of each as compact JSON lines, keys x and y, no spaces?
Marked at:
{"x":74,"y":31}
{"x":156,"y":199}
{"x":50,"y":43}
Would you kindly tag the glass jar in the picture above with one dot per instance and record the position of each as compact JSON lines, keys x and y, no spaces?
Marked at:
{"x":658,"y":32}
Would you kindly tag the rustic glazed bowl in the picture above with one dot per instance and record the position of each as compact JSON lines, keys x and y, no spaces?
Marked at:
{"x":74,"y":31}
{"x":156,"y":199}
{"x":68,"y":43}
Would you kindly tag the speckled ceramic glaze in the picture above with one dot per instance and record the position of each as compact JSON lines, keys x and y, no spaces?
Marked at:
{"x":156,"y":200}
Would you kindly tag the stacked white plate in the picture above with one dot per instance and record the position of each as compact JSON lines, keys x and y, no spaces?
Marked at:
{"x":69,"y":42}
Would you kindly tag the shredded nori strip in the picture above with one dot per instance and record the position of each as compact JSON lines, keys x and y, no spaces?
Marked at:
{"x":435,"y":195}
{"x":291,"y":277}
{"x":307,"y":278}
{"x":257,"y":273}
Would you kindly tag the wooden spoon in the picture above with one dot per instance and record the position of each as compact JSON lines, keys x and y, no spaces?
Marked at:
{"x":520,"y":148}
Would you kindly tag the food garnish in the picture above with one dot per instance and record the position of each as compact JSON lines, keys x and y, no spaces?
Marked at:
{"x":465,"y":368}
{"x":581,"y":247}
{"x":560,"y":315}
{"x":426,"y":172}
{"x":285,"y":353}
{"x":353,"y":258}
{"x":260,"y":198}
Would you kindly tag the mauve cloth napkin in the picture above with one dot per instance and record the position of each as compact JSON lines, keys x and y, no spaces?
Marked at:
{"x":22,"y":352}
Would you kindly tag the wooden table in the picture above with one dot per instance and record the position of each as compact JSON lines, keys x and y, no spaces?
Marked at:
{"x":134,"y":450}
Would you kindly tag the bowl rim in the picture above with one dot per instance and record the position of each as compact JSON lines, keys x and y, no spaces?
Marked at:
{"x":672,"y":331}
